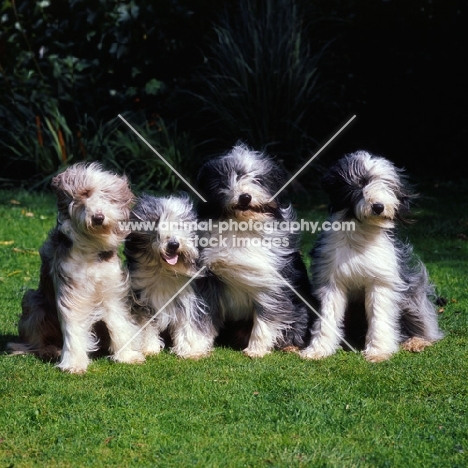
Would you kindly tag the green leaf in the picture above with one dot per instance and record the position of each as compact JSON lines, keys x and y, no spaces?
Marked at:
{"x":154,"y":87}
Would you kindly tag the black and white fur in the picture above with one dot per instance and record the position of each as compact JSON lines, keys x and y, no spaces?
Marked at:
{"x":82,"y":281}
{"x":162,"y":257}
{"x":369,"y":268}
{"x":248,"y":282}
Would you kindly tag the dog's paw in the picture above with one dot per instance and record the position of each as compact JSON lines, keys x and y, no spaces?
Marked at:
{"x":194,"y":355}
{"x":152,"y":347}
{"x":376,"y":356}
{"x":415,"y":344}
{"x":72,"y":368}
{"x":256,"y":352}
{"x":129,"y":357}
{"x":290,"y":349}
{"x":315,"y":353}
{"x":192,"y":349}
{"x":318,"y":349}
{"x":74,"y":364}
{"x":49,"y":352}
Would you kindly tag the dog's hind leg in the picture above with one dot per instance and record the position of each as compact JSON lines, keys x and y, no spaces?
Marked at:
{"x":39,"y":328}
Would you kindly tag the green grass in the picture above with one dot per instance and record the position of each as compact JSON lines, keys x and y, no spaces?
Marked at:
{"x":231,"y":411}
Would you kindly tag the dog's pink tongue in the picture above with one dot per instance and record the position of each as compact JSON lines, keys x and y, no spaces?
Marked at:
{"x":171,"y":260}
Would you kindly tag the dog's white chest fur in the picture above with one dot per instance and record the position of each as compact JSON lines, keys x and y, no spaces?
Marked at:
{"x":369,"y":264}
{"x":162,"y":292}
{"x":90,"y":268}
{"x":95,"y":277}
{"x":353,"y":260}
{"x":247,"y":270}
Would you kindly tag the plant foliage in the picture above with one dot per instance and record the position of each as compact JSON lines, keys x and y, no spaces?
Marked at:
{"x":260,"y":80}
{"x":68,"y":68}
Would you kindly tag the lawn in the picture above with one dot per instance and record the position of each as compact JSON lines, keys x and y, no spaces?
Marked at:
{"x":228,"y":410}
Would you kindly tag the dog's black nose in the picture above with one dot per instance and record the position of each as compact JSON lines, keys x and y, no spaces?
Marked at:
{"x":377,"y":208}
{"x":245,"y":199}
{"x":98,"y":219}
{"x":172,"y":245}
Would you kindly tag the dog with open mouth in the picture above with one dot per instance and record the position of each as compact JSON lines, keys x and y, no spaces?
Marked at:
{"x":162,"y":256}
{"x":253,"y":259}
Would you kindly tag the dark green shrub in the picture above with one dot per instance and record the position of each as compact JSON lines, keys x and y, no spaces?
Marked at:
{"x":67,"y":69}
{"x":260,"y":79}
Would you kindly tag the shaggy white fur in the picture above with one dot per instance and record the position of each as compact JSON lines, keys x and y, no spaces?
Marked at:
{"x":82,"y":281}
{"x":369,"y":266}
{"x":162,"y":259}
{"x":250,"y":257}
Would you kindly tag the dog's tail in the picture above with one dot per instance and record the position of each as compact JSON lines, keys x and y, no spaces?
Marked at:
{"x":19,"y":348}
{"x":47,"y":352}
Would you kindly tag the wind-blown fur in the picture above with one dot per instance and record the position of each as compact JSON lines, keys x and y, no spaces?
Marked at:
{"x":250,"y":268}
{"x":162,"y":258}
{"x":369,"y":269}
{"x":81,"y":279}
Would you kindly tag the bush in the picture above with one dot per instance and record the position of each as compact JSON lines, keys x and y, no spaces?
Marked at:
{"x":68,"y":68}
{"x":260,"y":79}
{"x":44,"y":139}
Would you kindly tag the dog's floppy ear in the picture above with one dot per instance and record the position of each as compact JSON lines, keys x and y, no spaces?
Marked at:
{"x":61,"y":181}
{"x":406,"y":195}
{"x":340,"y":192}
{"x":404,"y":210}
{"x":56,"y":183}
{"x":126,"y":196}
{"x":328,"y":181}
{"x":405,"y":204}
{"x":64,"y":181}
{"x":63,"y":198}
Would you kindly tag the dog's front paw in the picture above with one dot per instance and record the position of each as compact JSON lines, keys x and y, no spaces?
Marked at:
{"x":73,"y":363}
{"x":317,"y":350}
{"x":254,"y":352}
{"x":196,"y":348}
{"x":152,"y":347}
{"x":314,"y":353}
{"x":376,"y":356}
{"x":75,"y":368}
{"x":194,"y":354}
{"x":129,"y":357}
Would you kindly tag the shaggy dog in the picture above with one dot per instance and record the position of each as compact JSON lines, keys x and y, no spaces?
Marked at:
{"x":250,"y":252}
{"x":161,"y":254}
{"x":368,"y":268}
{"x":81,"y":280}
